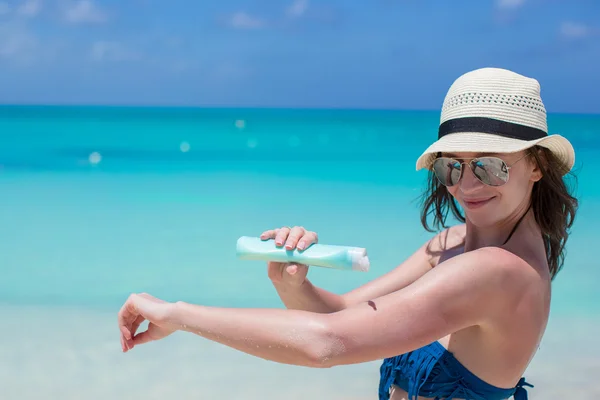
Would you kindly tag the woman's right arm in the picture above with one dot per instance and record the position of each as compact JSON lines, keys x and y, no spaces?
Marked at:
{"x":297,"y":292}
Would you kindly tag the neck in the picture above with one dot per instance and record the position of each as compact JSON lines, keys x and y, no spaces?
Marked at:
{"x":498,"y":234}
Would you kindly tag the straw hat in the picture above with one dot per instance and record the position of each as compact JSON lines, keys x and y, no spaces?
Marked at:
{"x":492,"y":110}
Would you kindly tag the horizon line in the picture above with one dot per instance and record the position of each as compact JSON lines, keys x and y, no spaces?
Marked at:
{"x":248,"y":107}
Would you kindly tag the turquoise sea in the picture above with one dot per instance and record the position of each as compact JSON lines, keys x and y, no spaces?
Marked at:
{"x":99,"y":202}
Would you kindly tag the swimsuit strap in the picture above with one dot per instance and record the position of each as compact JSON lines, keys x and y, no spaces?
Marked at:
{"x":517,"y":224}
{"x":520,"y":391}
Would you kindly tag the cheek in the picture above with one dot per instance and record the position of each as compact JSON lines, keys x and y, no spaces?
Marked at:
{"x":452,"y":190}
{"x":513,"y":193}
{"x":517,"y":186}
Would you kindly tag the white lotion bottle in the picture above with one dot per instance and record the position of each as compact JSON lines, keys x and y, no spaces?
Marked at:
{"x":319,"y":255}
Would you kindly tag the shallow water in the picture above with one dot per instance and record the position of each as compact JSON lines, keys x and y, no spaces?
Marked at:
{"x":78,"y":236}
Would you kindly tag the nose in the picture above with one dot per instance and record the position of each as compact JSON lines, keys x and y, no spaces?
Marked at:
{"x":469,"y":182}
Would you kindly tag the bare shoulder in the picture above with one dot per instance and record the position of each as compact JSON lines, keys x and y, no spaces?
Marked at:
{"x":449,"y":244}
{"x":497,"y":261}
{"x":494,"y":277}
{"x":518,"y":284}
{"x":514,"y":295}
{"x":446,"y":244}
{"x":523,"y":268}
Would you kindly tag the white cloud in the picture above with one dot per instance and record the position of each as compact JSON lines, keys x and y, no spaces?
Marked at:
{"x":30,"y":8}
{"x":242,"y":20}
{"x":112,"y":51}
{"x":506,"y":4}
{"x":575,"y":30}
{"x":4,"y":8}
{"x":84,"y":11}
{"x":298,"y":8}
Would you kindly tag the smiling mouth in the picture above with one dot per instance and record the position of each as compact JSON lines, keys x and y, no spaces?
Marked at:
{"x":477,"y":203}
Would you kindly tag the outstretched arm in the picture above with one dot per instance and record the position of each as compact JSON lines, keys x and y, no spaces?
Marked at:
{"x":464,"y":291}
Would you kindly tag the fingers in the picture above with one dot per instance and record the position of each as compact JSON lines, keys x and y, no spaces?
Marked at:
{"x":136,"y":324}
{"x":293,"y":237}
{"x":136,"y":338}
{"x":127,"y":316}
{"x":282,"y":236}
{"x":141,"y":338}
{"x":138,"y":308}
{"x":309,"y":238}
{"x":296,"y":237}
{"x":270,"y":234}
{"x":123,"y":345}
{"x":126,"y":319}
{"x":130,"y":318}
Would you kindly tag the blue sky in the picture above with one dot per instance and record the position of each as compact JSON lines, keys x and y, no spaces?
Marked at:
{"x":292,"y":53}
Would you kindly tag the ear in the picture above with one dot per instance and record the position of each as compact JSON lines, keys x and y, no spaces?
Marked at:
{"x":536,"y":173}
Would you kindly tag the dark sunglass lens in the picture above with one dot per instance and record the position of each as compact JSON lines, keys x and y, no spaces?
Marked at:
{"x":490,"y":170}
{"x":447,"y":171}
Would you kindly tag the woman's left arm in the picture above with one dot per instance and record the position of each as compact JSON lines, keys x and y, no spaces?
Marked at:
{"x":463,"y":291}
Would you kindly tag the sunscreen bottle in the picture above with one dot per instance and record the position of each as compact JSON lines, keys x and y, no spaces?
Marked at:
{"x":318,"y":255}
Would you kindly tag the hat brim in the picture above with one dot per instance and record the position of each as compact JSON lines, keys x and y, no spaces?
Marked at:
{"x":473,"y":142}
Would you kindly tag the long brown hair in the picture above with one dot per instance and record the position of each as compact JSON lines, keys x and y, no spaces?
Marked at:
{"x":554,"y":206}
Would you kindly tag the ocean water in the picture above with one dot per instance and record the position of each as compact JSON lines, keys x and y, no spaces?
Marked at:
{"x":100,"y":202}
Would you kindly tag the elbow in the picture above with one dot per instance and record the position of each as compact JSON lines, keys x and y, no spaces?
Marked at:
{"x":325,"y":349}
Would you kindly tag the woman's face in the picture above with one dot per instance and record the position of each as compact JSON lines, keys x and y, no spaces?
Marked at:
{"x":486,"y":205}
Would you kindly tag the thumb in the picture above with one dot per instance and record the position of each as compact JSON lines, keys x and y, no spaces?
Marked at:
{"x":143,"y":337}
{"x":293,"y":269}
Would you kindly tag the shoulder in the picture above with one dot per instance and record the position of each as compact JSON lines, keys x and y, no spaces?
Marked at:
{"x":494,"y":263}
{"x":511,"y":288}
{"x":445,"y":244}
{"x":519,"y":271}
{"x":485,"y":282}
{"x":448,"y":245}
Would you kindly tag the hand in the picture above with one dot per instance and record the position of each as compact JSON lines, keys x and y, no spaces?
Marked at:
{"x":296,"y":237}
{"x":137,"y":309}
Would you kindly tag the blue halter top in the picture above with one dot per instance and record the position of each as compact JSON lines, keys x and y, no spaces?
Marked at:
{"x":432,"y":371}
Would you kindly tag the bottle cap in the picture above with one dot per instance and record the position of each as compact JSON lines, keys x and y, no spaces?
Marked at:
{"x":359,"y":258}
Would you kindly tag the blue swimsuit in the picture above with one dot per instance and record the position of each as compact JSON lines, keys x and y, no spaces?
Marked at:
{"x":434,"y":372}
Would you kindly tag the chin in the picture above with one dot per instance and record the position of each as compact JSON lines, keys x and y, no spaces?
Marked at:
{"x":481,"y":212}
{"x":481,"y":220}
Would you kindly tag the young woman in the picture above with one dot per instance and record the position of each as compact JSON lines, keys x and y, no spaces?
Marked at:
{"x":463,"y":316}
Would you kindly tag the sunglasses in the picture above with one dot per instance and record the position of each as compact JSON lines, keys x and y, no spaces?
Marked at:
{"x":491,"y":171}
